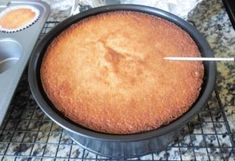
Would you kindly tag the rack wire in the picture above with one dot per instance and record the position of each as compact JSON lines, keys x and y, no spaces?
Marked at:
{"x":27,"y":134}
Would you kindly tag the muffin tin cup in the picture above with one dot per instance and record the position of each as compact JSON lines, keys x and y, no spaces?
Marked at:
{"x":129,"y":145}
{"x":26,"y":25}
{"x":10,"y":53}
{"x":15,"y":50}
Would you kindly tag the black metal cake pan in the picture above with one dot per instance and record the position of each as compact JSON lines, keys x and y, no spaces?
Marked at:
{"x":129,"y":145}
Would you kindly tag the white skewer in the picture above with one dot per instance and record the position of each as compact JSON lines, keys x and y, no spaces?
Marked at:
{"x":199,"y":59}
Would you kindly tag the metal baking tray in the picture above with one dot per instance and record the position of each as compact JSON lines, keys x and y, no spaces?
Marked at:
{"x":15,"y":50}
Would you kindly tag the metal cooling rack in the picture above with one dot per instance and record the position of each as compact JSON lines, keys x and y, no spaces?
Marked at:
{"x":27,"y":134}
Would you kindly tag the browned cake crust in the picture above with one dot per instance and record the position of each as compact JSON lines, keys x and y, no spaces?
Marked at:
{"x":107,"y":72}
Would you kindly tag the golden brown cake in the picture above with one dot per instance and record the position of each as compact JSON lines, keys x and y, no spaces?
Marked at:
{"x":107,"y":72}
{"x":17,"y":17}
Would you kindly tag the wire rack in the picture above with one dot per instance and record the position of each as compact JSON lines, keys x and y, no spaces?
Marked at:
{"x":27,"y":134}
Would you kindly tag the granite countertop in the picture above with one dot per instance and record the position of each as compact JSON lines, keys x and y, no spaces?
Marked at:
{"x":27,"y":134}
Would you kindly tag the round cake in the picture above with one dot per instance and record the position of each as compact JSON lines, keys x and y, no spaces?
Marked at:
{"x":17,"y":17}
{"x":108,"y":73}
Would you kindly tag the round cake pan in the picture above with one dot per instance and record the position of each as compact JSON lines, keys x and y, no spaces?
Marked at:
{"x":130,"y":145}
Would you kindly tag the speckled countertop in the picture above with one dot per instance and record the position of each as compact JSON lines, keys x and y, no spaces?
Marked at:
{"x":27,"y":134}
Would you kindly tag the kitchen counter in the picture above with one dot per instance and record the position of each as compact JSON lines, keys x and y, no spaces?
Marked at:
{"x":27,"y":134}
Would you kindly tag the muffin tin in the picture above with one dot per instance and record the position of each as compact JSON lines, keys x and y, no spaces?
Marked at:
{"x":15,"y":50}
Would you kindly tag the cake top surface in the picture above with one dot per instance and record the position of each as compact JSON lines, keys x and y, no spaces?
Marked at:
{"x":107,"y":72}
